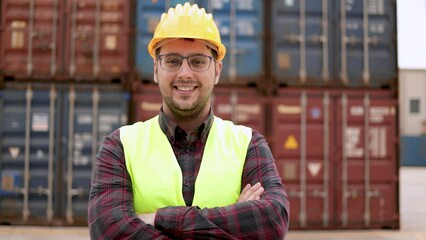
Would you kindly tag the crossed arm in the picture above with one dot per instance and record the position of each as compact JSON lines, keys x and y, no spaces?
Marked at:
{"x":249,"y":193}
{"x":260,"y":213}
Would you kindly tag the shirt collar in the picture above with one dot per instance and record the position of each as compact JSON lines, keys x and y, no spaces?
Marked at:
{"x":169,"y":127}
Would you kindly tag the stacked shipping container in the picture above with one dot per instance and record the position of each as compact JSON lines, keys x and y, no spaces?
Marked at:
{"x":328,"y":109}
{"x":59,"y":61}
{"x":65,"y":39}
{"x":50,"y":136}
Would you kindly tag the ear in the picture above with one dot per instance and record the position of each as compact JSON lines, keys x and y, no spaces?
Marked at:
{"x":218,"y":70}
{"x":155,"y":71}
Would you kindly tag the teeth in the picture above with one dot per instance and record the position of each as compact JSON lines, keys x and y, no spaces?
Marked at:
{"x":185,"y":88}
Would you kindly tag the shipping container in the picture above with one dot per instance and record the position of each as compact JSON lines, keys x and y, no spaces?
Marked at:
{"x":89,"y":114}
{"x":50,"y":136}
{"x":348,"y":43}
{"x":97,"y":42}
{"x":65,"y":40}
{"x":412,"y":99}
{"x":31,"y":41}
{"x":240,"y":24}
{"x":336,"y":151}
{"x":28,"y":157}
{"x":241,"y":105}
{"x":413,"y":151}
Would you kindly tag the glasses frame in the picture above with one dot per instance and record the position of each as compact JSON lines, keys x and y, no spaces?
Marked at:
{"x":161,"y":56}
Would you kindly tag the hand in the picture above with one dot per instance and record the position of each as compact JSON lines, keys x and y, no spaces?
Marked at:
{"x":148,"y":218}
{"x":251,"y":193}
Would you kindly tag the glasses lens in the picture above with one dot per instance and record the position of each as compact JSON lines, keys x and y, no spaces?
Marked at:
{"x":199,"y":62}
{"x":171,"y":62}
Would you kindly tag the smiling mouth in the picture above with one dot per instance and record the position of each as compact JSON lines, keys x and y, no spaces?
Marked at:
{"x":185,"y":88}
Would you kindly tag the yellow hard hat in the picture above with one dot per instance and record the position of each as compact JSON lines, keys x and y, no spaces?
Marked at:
{"x":187,"y":21}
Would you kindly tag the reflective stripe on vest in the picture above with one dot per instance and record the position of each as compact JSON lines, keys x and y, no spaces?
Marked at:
{"x":156,"y":175}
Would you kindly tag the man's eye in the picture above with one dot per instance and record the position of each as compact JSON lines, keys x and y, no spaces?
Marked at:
{"x":198,"y":61}
{"x":172,"y":61}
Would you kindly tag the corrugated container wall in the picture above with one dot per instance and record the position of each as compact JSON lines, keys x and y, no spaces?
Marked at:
{"x":31,"y":41}
{"x":65,"y":39}
{"x":348,"y":43}
{"x":336,"y":151}
{"x":29,"y":156}
{"x":240,"y":24}
{"x":50,"y":135}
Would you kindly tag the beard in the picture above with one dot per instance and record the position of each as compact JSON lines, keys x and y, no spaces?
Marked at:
{"x":184,"y":112}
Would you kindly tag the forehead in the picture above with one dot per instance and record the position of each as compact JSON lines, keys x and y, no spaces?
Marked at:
{"x":185,"y":47}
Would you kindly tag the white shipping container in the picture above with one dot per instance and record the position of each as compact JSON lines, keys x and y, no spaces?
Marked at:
{"x":412,"y":102}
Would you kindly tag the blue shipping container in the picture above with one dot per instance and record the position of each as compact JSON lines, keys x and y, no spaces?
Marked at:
{"x":349,"y":43}
{"x":90,"y":113}
{"x":240,"y":23}
{"x":28,"y":158}
{"x":413,"y":151}
{"x":50,"y":135}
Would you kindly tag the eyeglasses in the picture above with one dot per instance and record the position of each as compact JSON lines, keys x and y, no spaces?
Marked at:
{"x":172,"y":62}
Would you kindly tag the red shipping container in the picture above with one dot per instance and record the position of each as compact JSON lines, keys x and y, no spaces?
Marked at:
{"x":97,"y":44}
{"x":31,"y":38}
{"x":95,"y":34}
{"x":146,"y":101}
{"x":241,"y":105}
{"x":334,"y":175}
{"x":367,"y":163}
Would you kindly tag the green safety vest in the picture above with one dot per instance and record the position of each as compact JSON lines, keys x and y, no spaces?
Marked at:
{"x":156,"y":175}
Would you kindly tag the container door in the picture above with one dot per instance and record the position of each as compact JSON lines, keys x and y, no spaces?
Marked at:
{"x":240,"y":24}
{"x":301,"y":143}
{"x":243,"y":106}
{"x":367,"y":166}
{"x":31,"y":38}
{"x":28,"y":157}
{"x":366,"y":40}
{"x":301,"y":48}
{"x":98,"y":39}
{"x":90,"y":114}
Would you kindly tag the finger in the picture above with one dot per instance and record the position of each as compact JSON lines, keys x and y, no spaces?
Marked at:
{"x":250,"y":194}
{"x":254,"y":188}
{"x":255,"y":194}
{"x":243,"y":194}
{"x":246,"y":188}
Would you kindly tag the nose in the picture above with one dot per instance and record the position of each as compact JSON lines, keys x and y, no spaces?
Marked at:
{"x":185,"y":70}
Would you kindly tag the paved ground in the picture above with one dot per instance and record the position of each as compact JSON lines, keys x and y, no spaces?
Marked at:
{"x":413,"y":220}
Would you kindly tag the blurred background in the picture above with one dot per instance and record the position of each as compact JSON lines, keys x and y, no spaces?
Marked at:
{"x":337,"y":87}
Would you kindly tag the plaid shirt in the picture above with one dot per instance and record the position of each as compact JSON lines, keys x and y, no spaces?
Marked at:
{"x":111,"y":212}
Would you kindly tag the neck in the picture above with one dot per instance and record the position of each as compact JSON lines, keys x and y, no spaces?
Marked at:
{"x":190,"y":123}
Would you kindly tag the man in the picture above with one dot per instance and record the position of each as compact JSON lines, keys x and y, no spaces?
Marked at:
{"x":186,"y":174}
